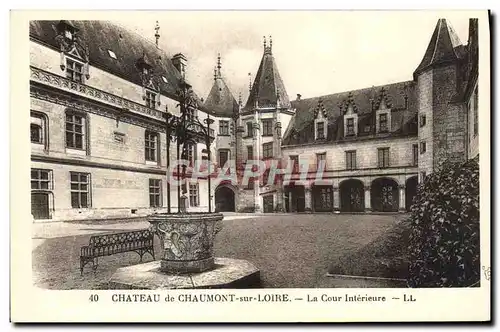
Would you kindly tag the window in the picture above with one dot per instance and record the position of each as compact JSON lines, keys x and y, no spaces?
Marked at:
{"x":320,"y":130}
{"x":383,"y":123}
{"x":41,"y":179}
{"x":190,"y":154}
{"x":267,"y":150}
{"x":155,"y":193}
{"x":251,"y":183}
{"x":164,"y":79}
{"x":190,"y":113}
{"x":249,"y":129}
{"x":294,"y":160}
{"x":80,"y":190}
{"x":321,"y":160}
{"x":423,"y":147}
{"x":350,"y":127}
{"x":150,"y":99}
{"x":422,"y":120}
{"x":112,"y":54}
{"x":415,"y":154}
{"x":250,"y":152}
{"x":75,"y":127}
{"x":151,"y":146}
{"x":267,"y":127}
{"x":223,"y":157}
{"x":223,"y":128}
{"x":74,"y":70}
{"x":36,"y":133}
{"x":350,"y":160}
{"x":194,"y":197}
{"x":383,"y":157}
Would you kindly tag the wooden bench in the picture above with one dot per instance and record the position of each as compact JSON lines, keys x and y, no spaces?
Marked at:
{"x":140,"y":241}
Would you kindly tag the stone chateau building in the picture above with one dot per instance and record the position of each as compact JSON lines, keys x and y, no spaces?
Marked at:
{"x":99,"y":94}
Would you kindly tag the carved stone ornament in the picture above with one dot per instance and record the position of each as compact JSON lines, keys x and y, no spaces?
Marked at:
{"x":187,"y":240}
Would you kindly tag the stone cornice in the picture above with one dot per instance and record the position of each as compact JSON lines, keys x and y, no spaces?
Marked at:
{"x":65,"y":84}
{"x":91,"y":106}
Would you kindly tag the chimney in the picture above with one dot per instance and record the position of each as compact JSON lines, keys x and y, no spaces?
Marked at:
{"x":298,"y":96}
{"x":180,"y":62}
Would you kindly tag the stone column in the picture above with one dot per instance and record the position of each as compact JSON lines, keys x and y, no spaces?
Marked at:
{"x":336,"y":199}
{"x":308,"y":199}
{"x":368,"y":199}
{"x":402,"y":198}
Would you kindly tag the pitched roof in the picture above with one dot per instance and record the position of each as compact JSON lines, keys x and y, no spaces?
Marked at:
{"x":268,"y":89}
{"x":128,"y":46}
{"x":403,"y":120}
{"x":220,"y":99}
{"x":443,"y":47}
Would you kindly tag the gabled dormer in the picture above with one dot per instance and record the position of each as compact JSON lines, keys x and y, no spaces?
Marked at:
{"x":350,"y":113}
{"x":383,"y":107}
{"x":74,"y":51}
{"x":320,"y":122}
{"x":150,"y":84}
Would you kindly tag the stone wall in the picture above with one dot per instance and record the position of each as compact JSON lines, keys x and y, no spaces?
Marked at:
{"x":449,"y":120}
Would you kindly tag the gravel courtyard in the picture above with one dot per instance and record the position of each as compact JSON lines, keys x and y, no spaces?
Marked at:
{"x":292,"y":251}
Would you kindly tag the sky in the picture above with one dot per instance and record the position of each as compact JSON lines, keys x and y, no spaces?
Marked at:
{"x":317,"y":53}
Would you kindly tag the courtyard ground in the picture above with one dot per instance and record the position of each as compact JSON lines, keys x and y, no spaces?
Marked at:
{"x":292,"y":251}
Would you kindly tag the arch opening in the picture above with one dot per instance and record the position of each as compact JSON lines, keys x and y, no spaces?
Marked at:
{"x":224,"y":199}
{"x":384,"y":195}
{"x":352,"y":196}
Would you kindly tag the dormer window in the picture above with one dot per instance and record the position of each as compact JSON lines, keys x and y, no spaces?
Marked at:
{"x":150,"y":99}
{"x":383,"y":123}
{"x":68,"y":34}
{"x":112,"y":54}
{"x":320,"y":130}
{"x":74,"y":70}
{"x":350,"y":127}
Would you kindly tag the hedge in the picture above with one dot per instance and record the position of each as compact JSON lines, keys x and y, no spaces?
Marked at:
{"x":444,"y":228}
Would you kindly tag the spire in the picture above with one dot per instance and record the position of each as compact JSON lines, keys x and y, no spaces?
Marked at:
{"x":239,"y":99}
{"x":218,"y":66}
{"x":250,"y":82}
{"x":268,"y":89}
{"x":441,"y":47}
{"x":268,"y":49}
{"x":157,"y":33}
{"x":215,"y":73}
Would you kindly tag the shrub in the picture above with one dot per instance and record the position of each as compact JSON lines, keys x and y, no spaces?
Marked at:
{"x":444,"y":235}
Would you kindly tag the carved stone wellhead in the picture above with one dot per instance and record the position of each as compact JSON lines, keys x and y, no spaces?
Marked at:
{"x":187,"y":239}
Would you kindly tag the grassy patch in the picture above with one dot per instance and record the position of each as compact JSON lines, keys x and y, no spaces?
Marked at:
{"x":386,"y":256}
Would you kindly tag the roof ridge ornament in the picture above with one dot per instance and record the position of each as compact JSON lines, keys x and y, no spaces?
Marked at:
{"x":268,"y":49}
{"x":218,"y":66}
{"x":157,"y":33}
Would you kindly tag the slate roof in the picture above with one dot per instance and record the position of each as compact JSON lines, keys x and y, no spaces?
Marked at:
{"x":403,"y":120}
{"x":268,"y":88}
{"x":443,"y":47}
{"x":220,"y":99}
{"x":128,"y":46}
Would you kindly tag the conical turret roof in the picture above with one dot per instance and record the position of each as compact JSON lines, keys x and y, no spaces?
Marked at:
{"x":442,"y":47}
{"x":268,"y":89}
{"x":220,"y":100}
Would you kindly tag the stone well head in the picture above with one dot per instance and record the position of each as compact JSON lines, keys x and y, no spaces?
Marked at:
{"x":187,"y":239}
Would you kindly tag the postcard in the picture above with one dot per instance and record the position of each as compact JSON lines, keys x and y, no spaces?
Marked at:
{"x":250,"y":166}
